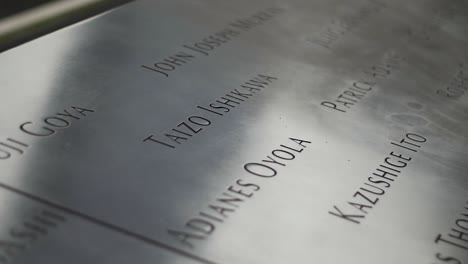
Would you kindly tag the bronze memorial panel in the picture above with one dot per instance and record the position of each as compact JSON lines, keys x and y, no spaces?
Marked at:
{"x":319,"y":131}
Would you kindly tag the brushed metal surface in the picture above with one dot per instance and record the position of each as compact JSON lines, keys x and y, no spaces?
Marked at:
{"x":80,"y":184}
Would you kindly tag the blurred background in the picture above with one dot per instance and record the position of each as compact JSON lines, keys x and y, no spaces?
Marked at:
{"x":11,"y":7}
{"x":25,"y":20}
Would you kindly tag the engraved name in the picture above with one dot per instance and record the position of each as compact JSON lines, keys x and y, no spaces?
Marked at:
{"x":197,"y":122}
{"x":381,"y":180}
{"x":359,"y":89}
{"x":456,"y":238}
{"x":212,"y":42}
{"x":457,"y":85}
{"x":206,"y":222}
{"x":46,"y":127}
{"x":339,"y":27}
{"x":23,"y":235}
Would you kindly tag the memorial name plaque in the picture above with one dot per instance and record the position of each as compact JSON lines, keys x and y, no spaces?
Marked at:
{"x":177,"y":131}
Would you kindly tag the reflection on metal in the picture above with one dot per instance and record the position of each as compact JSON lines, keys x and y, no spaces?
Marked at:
{"x":323,"y":131}
{"x":46,"y":18}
